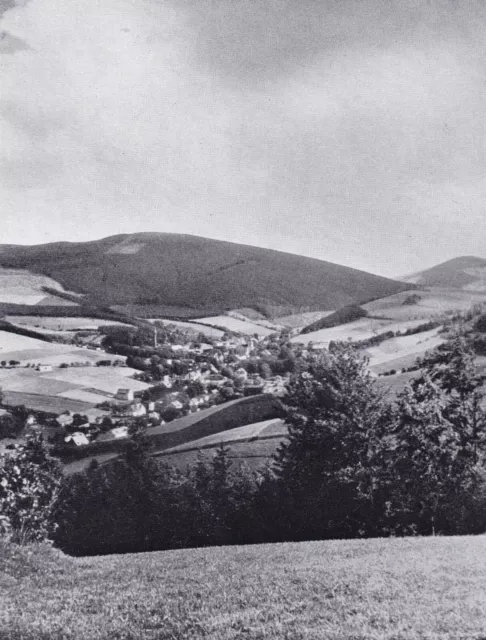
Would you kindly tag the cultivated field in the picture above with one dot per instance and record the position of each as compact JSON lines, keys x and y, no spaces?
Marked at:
{"x":252,"y":445}
{"x":237,"y":324}
{"x":434,"y":302}
{"x":192,"y":326}
{"x":75,"y":389}
{"x":299,"y":320}
{"x":19,"y":286}
{"x":249,"y":432}
{"x":32,"y":351}
{"x":395,"y":589}
{"x":358,"y":330}
{"x":402,"y":352}
{"x":54,"y":325}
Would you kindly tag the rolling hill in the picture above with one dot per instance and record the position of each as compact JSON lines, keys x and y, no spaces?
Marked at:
{"x":207,"y":276}
{"x":466,"y":272}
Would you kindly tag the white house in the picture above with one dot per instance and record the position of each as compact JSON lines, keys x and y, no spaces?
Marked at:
{"x":124,"y":394}
{"x":44,"y":367}
{"x":79,"y":439}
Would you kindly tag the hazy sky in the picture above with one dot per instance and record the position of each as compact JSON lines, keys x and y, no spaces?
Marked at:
{"x":351,"y":131}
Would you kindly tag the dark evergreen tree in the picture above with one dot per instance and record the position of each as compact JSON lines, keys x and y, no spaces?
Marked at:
{"x":329,"y":467}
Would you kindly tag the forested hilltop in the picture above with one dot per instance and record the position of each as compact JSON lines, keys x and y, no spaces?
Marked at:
{"x":188,"y":272}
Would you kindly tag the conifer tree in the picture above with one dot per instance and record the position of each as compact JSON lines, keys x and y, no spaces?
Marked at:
{"x":329,"y":467}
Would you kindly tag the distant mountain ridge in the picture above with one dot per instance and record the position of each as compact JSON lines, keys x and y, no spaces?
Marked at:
{"x":198,"y":273}
{"x":463,"y":272}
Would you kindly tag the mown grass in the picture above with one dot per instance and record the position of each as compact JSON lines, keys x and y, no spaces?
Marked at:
{"x":396,"y":589}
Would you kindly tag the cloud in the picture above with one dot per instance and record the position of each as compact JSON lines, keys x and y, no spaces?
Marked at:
{"x":338,"y":129}
{"x":10,"y":44}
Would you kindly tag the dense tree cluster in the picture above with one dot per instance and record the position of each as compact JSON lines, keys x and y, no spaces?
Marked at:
{"x":355,"y":463}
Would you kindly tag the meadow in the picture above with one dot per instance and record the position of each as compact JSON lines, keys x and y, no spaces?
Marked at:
{"x":64,"y":324}
{"x":377,"y":589}
{"x":237,"y":324}
{"x":19,"y":286}
{"x":75,"y":389}
{"x":362,"y":329}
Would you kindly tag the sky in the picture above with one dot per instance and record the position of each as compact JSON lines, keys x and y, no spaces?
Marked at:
{"x":350,"y":130}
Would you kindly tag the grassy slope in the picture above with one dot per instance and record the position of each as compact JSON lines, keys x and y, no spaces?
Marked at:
{"x":196,"y":272}
{"x":400,"y":589}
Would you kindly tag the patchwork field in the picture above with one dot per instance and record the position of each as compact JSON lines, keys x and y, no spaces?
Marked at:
{"x":379,"y":589}
{"x":74,"y":389}
{"x":54,"y":325}
{"x":32,"y":351}
{"x":252,"y":445}
{"x":358,"y":330}
{"x":402,"y":352}
{"x":299,"y":320}
{"x":19,"y":286}
{"x":192,"y":326}
{"x":237,"y":324}
{"x":49,"y":404}
{"x":250,"y":432}
{"x":434,"y":302}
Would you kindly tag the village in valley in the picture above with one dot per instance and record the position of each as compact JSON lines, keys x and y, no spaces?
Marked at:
{"x":135,"y":377}
{"x":88,"y":377}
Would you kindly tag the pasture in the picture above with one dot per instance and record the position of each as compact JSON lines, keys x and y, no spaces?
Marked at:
{"x":355,"y":331}
{"x":191,"y":326}
{"x":75,"y":389}
{"x":300,"y":320}
{"x":32,"y":351}
{"x":54,"y":325}
{"x":252,"y":445}
{"x":402,"y":352}
{"x":433,"y":304}
{"x":249,"y":432}
{"x":237,"y":324}
{"x":378,"y":589}
{"x":19,"y":286}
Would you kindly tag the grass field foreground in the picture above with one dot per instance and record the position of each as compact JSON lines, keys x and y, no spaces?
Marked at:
{"x":339,"y":590}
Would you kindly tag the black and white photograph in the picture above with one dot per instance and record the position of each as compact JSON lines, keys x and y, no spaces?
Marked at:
{"x":243,"y":320}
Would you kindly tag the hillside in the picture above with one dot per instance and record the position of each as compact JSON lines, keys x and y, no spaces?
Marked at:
{"x":379,"y":589}
{"x":465,"y":272}
{"x":171,"y":270}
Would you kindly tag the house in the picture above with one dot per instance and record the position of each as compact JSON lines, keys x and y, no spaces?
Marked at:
{"x":154,"y":416}
{"x":65,"y":419}
{"x":44,"y":367}
{"x":125,"y":395}
{"x":137,"y":410}
{"x":119,"y":432}
{"x":77,"y":439}
{"x":167,"y":382}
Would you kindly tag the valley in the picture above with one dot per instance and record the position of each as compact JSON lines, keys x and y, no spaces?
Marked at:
{"x":112,"y":368}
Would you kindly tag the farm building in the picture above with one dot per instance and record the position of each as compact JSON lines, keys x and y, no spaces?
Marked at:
{"x":77,"y":439}
{"x":44,"y":368}
{"x":124,"y":394}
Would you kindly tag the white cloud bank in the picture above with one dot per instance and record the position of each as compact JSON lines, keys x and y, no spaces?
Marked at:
{"x":348,"y":131}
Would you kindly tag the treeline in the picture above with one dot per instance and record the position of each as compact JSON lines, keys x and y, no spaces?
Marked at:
{"x":355,"y":464}
{"x":21,"y":331}
{"x":67,"y":311}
